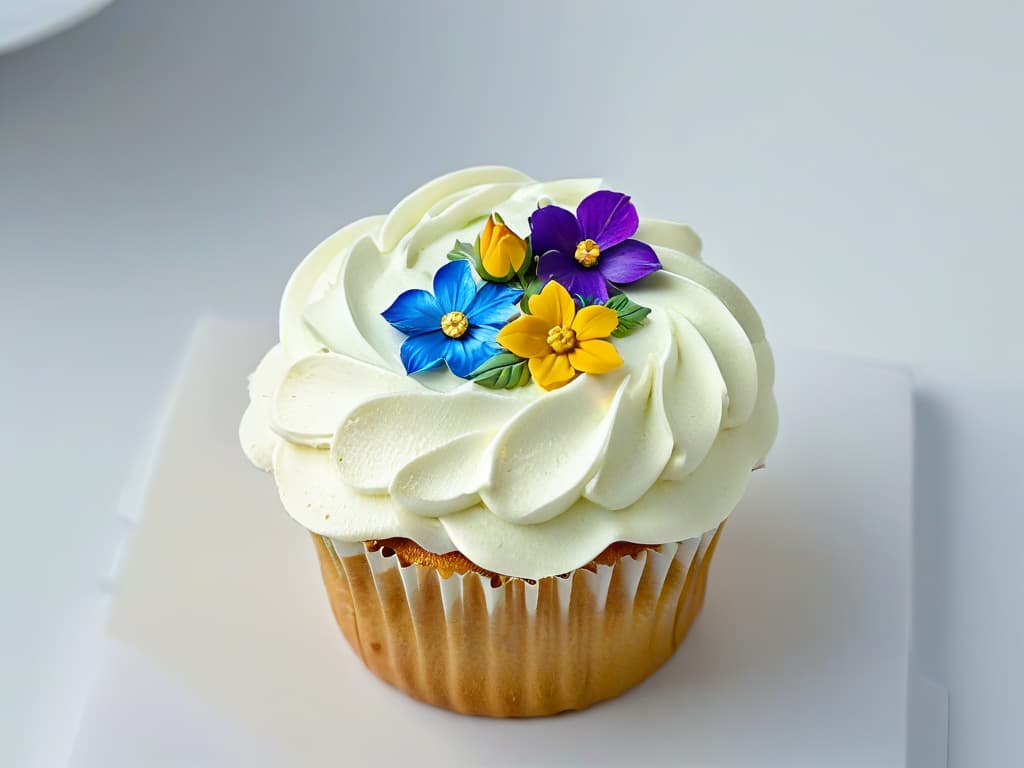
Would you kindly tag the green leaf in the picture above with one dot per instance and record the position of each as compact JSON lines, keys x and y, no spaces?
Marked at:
{"x":586,"y":301}
{"x":631,"y":315}
{"x":492,"y":279}
{"x":530,"y":288}
{"x":503,"y":371}
{"x":468,"y":252}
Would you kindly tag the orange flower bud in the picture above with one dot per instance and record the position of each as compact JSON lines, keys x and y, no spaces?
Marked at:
{"x":501,"y":250}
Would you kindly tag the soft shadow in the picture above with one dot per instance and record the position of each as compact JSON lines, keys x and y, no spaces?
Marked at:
{"x":933,"y":468}
{"x":932,"y":558}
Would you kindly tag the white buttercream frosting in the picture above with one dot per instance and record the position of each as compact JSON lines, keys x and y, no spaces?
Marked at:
{"x":524,"y":482}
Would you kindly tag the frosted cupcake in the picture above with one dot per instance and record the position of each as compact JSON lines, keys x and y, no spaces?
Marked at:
{"x":514,"y":416}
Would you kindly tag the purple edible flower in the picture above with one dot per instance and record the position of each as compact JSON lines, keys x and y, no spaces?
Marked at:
{"x":593,"y":249}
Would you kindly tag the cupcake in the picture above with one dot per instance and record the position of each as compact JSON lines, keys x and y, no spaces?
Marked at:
{"x":513,"y":416}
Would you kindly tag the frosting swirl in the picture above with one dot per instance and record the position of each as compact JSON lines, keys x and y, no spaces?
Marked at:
{"x":523,"y":482}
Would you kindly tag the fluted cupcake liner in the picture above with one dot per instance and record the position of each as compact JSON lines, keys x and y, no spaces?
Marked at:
{"x":521,"y":648}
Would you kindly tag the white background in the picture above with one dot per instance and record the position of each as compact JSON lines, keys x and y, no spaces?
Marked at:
{"x":857,"y":167}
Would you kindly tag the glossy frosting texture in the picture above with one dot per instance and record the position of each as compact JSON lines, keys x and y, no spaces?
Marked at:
{"x":524,"y":482}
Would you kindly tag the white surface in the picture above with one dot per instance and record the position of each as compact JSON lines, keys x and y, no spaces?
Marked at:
{"x":222,"y":643}
{"x":856,"y":166}
{"x":23,"y":22}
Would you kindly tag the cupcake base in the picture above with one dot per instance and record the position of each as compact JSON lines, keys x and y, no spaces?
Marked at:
{"x":520,"y":649}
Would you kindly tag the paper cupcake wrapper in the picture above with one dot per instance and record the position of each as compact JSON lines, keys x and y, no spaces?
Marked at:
{"x":519,"y":649}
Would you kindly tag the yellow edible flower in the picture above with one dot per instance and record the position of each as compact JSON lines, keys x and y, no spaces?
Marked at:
{"x":502,"y":251}
{"x":559,"y":341}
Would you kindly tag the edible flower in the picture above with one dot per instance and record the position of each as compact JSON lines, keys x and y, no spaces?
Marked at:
{"x":502,"y":251}
{"x":456,"y":324}
{"x":593,"y":249}
{"x":559,"y":341}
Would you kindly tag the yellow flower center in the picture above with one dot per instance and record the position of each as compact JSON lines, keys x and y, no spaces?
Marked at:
{"x":561,"y":340}
{"x":587,"y":252}
{"x":454,"y":325}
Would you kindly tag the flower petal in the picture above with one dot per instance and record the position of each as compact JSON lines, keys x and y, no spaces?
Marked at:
{"x":607,"y":217}
{"x":578,"y":280}
{"x":496,"y":263}
{"x":554,"y":305}
{"x":595,"y":322}
{"x":526,"y":336}
{"x":628,"y":262}
{"x":558,"y":266}
{"x":485,"y":235}
{"x":493,"y":305}
{"x":503,"y":254}
{"x":552,"y":371}
{"x":588,"y":283}
{"x":554,"y":229}
{"x":516,"y":248}
{"x":424,"y":351}
{"x":414,"y":312}
{"x":595,"y":356}
{"x":454,"y":286}
{"x":467,"y":353}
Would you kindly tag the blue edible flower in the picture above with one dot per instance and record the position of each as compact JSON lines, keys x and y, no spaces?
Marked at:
{"x":456,"y":324}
